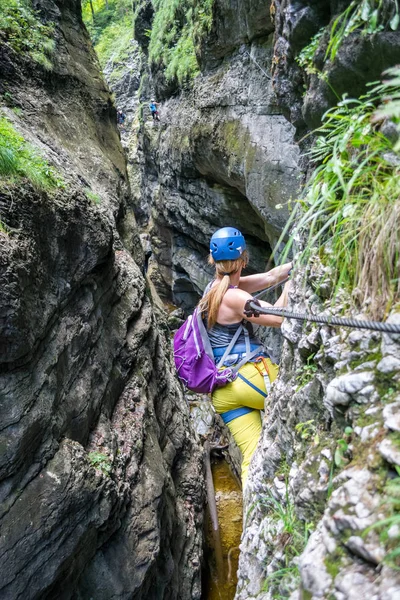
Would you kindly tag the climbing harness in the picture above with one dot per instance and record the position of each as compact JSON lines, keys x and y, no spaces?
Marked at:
{"x":266,"y":374}
{"x":253,"y":308}
{"x":229,"y":415}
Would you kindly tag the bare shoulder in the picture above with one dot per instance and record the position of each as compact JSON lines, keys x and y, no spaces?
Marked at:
{"x":236,"y":297}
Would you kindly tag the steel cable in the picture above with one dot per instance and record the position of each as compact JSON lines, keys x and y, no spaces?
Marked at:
{"x":253,"y":308}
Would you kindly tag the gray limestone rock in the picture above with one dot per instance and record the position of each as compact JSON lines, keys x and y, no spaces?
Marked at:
{"x":391,"y":415}
{"x":390,"y":452}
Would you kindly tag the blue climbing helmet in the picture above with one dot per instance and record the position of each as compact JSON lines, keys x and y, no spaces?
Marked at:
{"x":227,"y":244}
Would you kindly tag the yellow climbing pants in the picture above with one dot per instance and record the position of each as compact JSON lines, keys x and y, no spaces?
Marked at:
{"x":246,"y":430}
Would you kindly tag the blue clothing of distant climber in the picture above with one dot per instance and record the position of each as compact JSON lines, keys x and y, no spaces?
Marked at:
{"x":154,"y":110}
{"x":121,"y":116}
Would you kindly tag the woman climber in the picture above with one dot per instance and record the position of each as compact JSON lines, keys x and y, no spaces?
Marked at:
{"x":239,"y":402}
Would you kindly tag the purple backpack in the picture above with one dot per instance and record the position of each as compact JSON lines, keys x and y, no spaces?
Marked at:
{"x":194,"y":359}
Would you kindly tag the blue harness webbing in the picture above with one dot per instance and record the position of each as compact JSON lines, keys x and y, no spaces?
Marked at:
{"x":235,"y":413}
{"x":257,"y":389}
{"x":229,"y":415}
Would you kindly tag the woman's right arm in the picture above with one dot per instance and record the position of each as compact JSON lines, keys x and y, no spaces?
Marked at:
{"x":237,"y":299}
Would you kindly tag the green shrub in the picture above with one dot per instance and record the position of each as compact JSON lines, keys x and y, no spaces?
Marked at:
{"x":111,"y":29}
{"x":178,"y":28}
{"x":22,"y":29}
{"x":18,"y":159}
{"x":351,"y":204}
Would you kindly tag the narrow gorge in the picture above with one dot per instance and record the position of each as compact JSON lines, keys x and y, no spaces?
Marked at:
{"x":280,"y":118}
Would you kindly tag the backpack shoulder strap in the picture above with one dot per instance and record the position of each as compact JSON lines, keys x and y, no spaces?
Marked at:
{"x":197,"y":316}
{"x":230,"y":346}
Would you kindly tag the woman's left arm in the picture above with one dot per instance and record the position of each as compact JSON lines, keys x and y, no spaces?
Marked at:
{"x":255,"y":283}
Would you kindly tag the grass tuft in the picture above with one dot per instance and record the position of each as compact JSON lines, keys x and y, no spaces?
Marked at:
{"x":351,"y":204}
{"x":389,"y":528}
{"x":292,"y":539}
{"x":18,"y":159}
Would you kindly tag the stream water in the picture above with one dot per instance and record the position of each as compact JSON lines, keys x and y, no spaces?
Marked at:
{"x":229,"y":507}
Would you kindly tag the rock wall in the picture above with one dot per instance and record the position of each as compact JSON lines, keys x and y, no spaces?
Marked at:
{"x":223,"y":154}
{"x":329,"y":450}
{"x":101,"y":476}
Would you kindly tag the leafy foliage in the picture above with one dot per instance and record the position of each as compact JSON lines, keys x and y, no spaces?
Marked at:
{"x":370,"y":16}
{"x":306,"y":57}
{"x":367,"y":16}
{"x":110,"y":27}
{"x":351,"y":204}
{"x":21,"y":28}
{"x":306,"y":373}
{"x":100,"y":461}
{"x":19,"y":159}
{"x":306,"y":430}
{"x":178,"y":28}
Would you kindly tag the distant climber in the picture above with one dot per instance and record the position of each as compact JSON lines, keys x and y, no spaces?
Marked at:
{"x":239,"y":403}
{"x":154,"y":110}
{"x":121,"y":116}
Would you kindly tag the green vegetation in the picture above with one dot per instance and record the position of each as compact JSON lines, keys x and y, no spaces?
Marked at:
{"x":177,"y":30}
{"x":19,"y":159}
{"x":306,"y":430}
{"x":340,"y":457}
{"x":333,"y":561}
{"x":293,"y":536}
{"x":390,"y":537}
{"x":21,"y":28}
{"x":367,"y":16}
{"x":100,"y":461}
{"x":370,"y":16}
{"x":306,"y":57}
{"x":306,"y":373}
{"x":351,"y":204}
{"x":95,"y":198}
{"x":110,"y":24}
